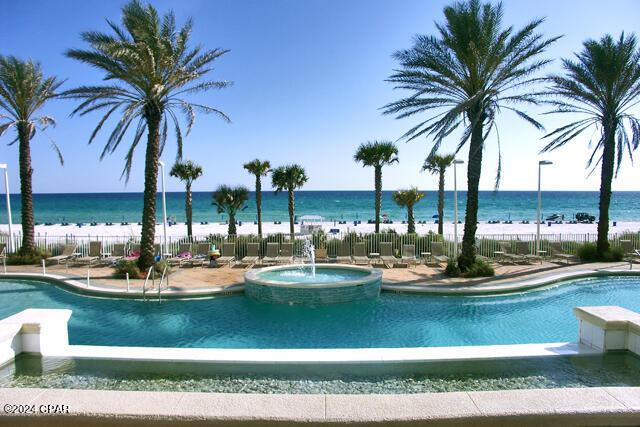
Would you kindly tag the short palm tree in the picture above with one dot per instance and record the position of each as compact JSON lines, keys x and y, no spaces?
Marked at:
{"x":602,"y":85}
{"x":258,"y":168}
{"x":149,"y":67}
{"x":408,"y":199}
{"x":438,"y":164}
{"x":187,"y":172}
{"x":377,"y":154}
{"x":23,"y":92}
{"x":462,"y":79}
{"x":289,"y":178}
{"x":230,"y":200}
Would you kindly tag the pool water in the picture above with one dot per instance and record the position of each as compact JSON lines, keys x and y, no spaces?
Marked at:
{"x":307,"y":275}
{"x":392,"y":320}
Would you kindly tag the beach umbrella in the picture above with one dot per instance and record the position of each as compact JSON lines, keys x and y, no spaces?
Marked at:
{"x":435,"y":216}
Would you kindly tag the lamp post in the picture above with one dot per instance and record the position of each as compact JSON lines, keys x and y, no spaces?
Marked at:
{"x":6,"y":189}
{"x":164,"y":210}
{"x":455,"y":206}
{"x":540,"y":164}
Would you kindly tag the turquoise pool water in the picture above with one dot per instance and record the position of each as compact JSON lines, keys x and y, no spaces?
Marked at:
{"x":393,"y":320}
{"x":306,"y":275}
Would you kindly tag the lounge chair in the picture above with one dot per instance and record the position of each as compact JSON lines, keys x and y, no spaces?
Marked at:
{"x":3,"y":250}
{"x":360,"y":254}
{"x":507,"y":255}
{"x":201,"y":256}
{"x":286,"y":254}
{"x":344,"y":253}
{"x":523,"y":249}
{"x":95,"y":252}
{"x":134,"y":251}
{"x":558,"y":253}
{"x":437,"y":253}
{"x":321,"y":255}
{"x":228,"y":254}
{"x":253,"y":255}
{"x":630,"y":253}
{"x":386,"y":254}
{"x":67,"y":254}
{"x":183,"y":257}
{"x":271,"y":256}
{"x":409,"y":255}
{"x":117,"y":253}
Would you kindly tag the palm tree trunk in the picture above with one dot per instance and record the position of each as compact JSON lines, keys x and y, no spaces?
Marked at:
{"x":232,"y":224}
{"x":411,"y":227}
{"x":189,"y":211}
{"x":146,"y":260}
{"x":441,"y":204}
{"x":606,"y":176}
{"x":259,"y":203}
{"x":468,"y":253}
{"x":26,"y":190}
{"x":291,"y":211}
{"x":378,"y":187}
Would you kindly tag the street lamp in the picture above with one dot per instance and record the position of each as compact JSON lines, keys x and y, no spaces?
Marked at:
{"x":455,"y":206}
{"x":164,"y":210}
{"x":540,"y":164}
{"x":6,"y":189}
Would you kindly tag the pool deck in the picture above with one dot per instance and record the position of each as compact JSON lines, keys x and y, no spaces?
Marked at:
{"x":419,"y":279}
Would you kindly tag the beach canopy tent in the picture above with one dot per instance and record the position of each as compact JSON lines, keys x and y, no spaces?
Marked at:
{"x":310,"y":223}
{"x":311,"y":218}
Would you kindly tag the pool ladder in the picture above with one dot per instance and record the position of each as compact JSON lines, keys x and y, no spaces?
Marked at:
{"x":152,"y":274}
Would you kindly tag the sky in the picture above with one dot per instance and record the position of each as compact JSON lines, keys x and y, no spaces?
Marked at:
{"x":308,"y":84}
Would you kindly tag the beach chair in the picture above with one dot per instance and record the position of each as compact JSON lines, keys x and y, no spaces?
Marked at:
{"x":360,"y":254}
{"x":322,"y":255}
{"x":523,"y":249}
{"x":409,"y":255}
{"x":183,"y":257}
{"x":271,"y":256}
{"x":437,"y":253}
{"x":286,"y":254}
{"x":344,"y":253}
{"x":201,"y":255}
{"x":558,"y":253}
{"x":117,"y":253}
{"x":95,"y":253}
{"x":3,"y":250}
{"x":228,"y":254}
{"x":134,"y":251}
{"x":67,"y":254}
{"x":253,"y":255}
{"x":630,"y":253}
{"x":386,"y":254}
{"x":507,"y":255}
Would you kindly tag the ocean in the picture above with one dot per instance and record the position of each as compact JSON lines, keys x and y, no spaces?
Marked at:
{"x":332,"y":205}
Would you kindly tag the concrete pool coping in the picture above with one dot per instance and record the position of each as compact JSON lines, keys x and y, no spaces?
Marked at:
{"x":564,"y":406}
{"x":508,"y":286}
{"x":372,"y":275}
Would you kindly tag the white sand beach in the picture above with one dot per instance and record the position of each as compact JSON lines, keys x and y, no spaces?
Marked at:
{"x":180,"y":229}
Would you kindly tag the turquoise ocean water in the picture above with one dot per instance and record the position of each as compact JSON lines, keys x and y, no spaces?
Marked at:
{"x":333,"y":205}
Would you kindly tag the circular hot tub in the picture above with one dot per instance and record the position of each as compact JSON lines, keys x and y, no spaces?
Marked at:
{"x":305,"y":284}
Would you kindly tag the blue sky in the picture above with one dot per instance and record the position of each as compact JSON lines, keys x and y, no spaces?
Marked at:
{"x":308,"y":84}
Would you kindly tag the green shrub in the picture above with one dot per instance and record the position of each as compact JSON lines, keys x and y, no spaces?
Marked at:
{"x":588,"y":252}
{"x":160,"y":265}
{"x":479,"y":268}
{"x":127,"y":266}
{"x":27,"y":258}
{"x":614,"y":254}
{"x":452,"y":269}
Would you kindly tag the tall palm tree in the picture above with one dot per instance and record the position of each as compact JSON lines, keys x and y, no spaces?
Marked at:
{"x":408,"y":199}
{"x":23,"y":92}
{"x":462,"y":79}
{"x":230,"y":200}
{"x":187,"y":172}
{"x":259,"y":169}
{"x":290,"y":178}
{"x":150,"y":67}
{"x":438,"y":164}
{"x":377,"y":154}
{"x":602,"y":85}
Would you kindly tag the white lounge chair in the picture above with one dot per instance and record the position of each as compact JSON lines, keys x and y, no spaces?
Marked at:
{"x":184,"y":255}
{"x":559,"y":254}
{"x":253,"y":255}
{"x":228,"y":254}
{"x":201,"y":256}
{"x":360,"y":254}
{"x":94,"y":255}
{"x":409,"y":255}
{"x":437,"y":253}
{"x":117,"y":253}
{"x":523,"y":249}
{"x":67,"y":254}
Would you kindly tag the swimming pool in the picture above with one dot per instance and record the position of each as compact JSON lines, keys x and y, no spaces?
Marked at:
{"x":392,"y":320}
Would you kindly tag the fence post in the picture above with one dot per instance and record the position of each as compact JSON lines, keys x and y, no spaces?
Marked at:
{"x":88,"y":278}
{"x":128,"y":285}
{"x":44,"y":268}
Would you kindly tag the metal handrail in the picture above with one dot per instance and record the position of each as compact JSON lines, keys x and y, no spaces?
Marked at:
{"x":164,"y":272}
{"x":144,"y":285}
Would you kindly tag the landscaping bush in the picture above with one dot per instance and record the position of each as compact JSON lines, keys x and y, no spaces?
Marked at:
{"x":127,"y":266}
{"x":452,"y":269}
{"x":27,"y":258}
{"x":615,"y":254}
{"x":479,"y":268}
{"x":160,"y":265}
{"x":588,"y":252}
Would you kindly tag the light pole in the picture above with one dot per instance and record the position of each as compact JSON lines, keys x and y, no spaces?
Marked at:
{"x":455,"y":206}
{"x":6,"y":189}
{"x":540,"y":164}
{"x":164,"y":210}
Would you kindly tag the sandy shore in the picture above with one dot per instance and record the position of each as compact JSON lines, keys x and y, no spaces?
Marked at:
{"x":270,"y":228}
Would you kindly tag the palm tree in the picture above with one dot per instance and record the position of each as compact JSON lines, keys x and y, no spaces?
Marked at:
{"x":150,"y":67}
{"x":602,"y":85}
{"x":23,"y":92}
{"x":438,"y":164}
{"x":377,"y":154}
{"x":230,"y":200}
{"x":290,"y":178}
{"x":259,"y":169}
{"x":187,"y":172}
{"x":462,"y":80}
{"x":407,"y":199}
